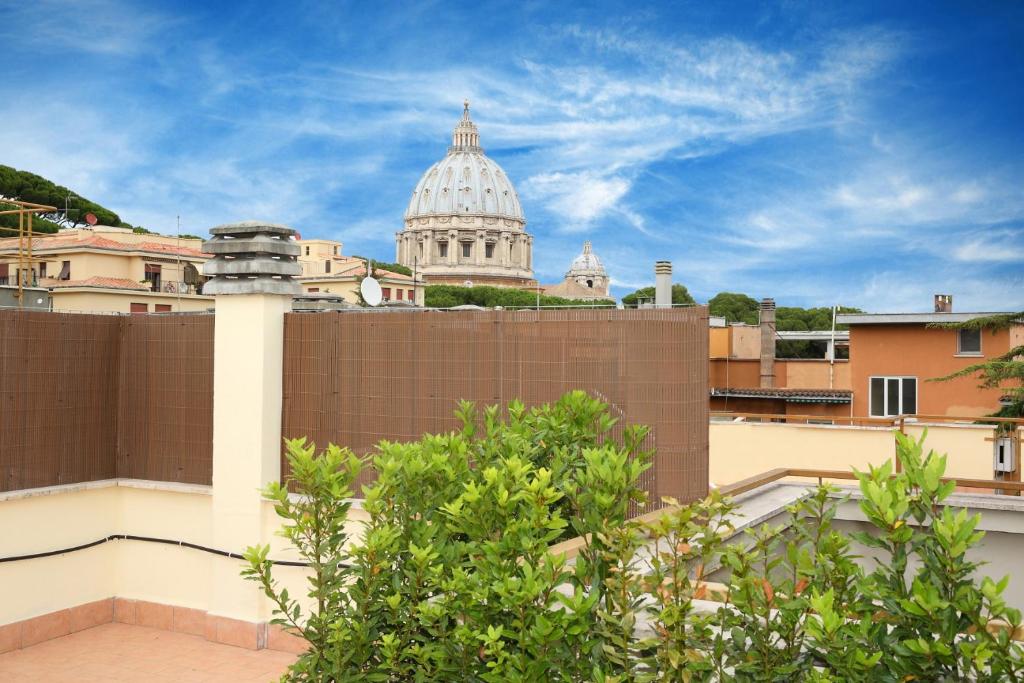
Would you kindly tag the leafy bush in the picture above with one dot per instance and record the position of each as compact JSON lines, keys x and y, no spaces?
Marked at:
{"x":453,"y":579}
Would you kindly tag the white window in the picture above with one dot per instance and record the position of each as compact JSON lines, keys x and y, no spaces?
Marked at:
{"x":968,"y":342}
{"x":890,"y":396}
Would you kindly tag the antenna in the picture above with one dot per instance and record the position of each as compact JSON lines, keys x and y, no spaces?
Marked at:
{"x":181,"y":273}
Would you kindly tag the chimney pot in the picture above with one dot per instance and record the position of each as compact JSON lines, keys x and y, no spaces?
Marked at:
{"x":663,"y":284}
{"x":943,"y":303}
{"x":767,"y":315}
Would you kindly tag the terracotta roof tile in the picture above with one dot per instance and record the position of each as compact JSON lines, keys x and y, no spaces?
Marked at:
{"x":99,"y":242}
{"x":102,"y":282}
{"x":792,"y":395}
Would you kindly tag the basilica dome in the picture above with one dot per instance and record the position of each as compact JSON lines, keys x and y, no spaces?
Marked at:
{"x":465,"y":182}
{"x":464,"y":222}
{"x":586,"y":263}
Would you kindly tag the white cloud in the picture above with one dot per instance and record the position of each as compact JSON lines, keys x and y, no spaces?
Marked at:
{"x":908,"y":291}
{"x":104,"y":27}
{"x":580,"y":198}
{"x":1001,"y":246}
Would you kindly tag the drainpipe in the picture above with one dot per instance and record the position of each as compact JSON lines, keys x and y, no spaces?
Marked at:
{"x":767,"y":343}
{"x":663,"y":284}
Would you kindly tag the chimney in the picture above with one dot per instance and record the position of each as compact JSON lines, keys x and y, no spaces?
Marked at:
{"x":767,"y":343}
{"x":663,"y":284}
{"x":943,"y":303}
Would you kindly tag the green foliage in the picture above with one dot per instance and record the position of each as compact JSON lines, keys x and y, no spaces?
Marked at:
{"x":392,"y":267}
{"x":1005,"y":371}
{"x":9,"y":223}
{"x":921,"y":608}
{"x":452,"y":578}
{"x":734,"y":307}
{"x":680,"y":295}
{"x":449,"y":296}
{"x":740,"y":308}
{"x":29,"y":187}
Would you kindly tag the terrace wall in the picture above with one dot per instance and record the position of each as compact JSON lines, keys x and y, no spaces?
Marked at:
{"x":93,"y":397}
{"x":354,"y":379}
{"x":743,"y":449}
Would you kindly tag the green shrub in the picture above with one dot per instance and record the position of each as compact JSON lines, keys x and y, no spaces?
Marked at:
{"x":452,"y":578}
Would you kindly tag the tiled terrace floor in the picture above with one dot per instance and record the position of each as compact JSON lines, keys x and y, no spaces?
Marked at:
{"x":119,"y":652}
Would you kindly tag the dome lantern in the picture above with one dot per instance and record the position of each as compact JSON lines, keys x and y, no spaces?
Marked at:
{"x":465,"y":137}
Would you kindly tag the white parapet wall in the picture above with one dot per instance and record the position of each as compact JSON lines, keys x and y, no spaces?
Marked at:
{"x":738,"y":450}
{"x":55,"y":518}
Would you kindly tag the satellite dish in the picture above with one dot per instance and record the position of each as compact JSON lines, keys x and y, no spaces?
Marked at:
{"x":467,"y":283}
{"x":370,"y":289}
{"x":91,"y":219}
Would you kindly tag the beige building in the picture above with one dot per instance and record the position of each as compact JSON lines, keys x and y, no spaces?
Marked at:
{"x":108,"y":269}
{"x":464,"y":223}
{"x":326,"y":271}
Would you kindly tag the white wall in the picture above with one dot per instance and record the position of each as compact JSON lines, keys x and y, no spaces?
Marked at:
{"x":40,"y":520}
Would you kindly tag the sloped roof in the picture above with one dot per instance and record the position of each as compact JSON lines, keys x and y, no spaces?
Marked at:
{"x":788,"y":395}
{"x":58,"y":241}
{"x":344,"y":266}
{"x":103,"y":283}
{"x":570,"y":289}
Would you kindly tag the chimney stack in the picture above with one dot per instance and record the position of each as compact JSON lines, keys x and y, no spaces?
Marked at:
{"x":663,"y":284}
{"x":767,"y":343}
{"x":943,"y":303}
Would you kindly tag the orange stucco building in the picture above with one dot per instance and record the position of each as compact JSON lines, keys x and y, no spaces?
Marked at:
{"x":894,"y":355}
{"x":744,"y":376}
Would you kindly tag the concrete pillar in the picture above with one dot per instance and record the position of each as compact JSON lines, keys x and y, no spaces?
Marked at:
{"x":767,"y":343}
{"x":252,"y":273}
{"x":663,"y":284}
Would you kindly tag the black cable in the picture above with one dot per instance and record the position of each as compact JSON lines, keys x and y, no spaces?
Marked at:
{"x":146,"y":539}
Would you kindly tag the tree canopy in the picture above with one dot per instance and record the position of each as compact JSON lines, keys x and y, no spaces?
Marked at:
{"x":29,"y":187}
{"x":393,"y":267}
{"x":680,"y":295}
{"x":449,"y":296}
{"x":734,"y":307}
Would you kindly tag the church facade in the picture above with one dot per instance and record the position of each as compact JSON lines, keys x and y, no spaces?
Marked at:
{"x":464,"y":224}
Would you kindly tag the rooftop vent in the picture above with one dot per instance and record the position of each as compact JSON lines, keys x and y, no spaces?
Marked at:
{"x":252,"y":258}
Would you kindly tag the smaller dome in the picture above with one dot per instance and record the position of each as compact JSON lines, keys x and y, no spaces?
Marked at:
{"x":587,"y":262}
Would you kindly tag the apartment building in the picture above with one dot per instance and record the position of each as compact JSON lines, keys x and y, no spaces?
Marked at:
{"x":109,"y":269}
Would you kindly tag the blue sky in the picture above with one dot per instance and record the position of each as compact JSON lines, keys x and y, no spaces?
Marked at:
{"x":855,"y":153}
